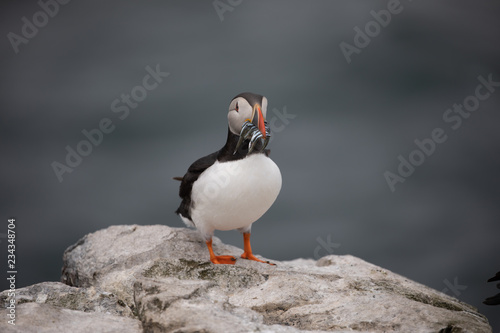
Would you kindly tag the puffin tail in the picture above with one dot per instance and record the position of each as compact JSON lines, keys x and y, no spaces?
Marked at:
{"x":187,"y":221}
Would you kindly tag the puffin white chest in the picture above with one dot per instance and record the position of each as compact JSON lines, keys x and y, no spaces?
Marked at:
{"x":232,"y":195}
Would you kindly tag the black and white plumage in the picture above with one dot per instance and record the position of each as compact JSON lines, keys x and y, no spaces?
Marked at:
{"x":233,"y":187}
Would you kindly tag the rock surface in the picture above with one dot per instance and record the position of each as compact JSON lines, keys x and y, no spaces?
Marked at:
{"x":159,"y":279}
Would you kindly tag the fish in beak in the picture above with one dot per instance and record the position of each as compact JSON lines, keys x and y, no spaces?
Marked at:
{"x":256,"y":130}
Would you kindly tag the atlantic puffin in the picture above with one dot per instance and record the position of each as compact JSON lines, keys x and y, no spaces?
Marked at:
{"x":234,"y":186}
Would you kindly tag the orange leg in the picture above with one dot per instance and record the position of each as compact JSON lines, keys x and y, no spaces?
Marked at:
{"x":229,"y":260}
{"x":247,"y":254}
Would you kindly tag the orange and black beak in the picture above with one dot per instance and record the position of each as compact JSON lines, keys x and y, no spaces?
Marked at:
{"x":258,"y":120}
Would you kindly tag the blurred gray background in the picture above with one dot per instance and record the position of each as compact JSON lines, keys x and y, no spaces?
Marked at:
{"x":346,"y":125}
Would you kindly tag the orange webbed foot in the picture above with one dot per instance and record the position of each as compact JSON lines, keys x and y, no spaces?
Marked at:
{"x":226,"y":260}
{"x":250,"y":256}
{"x":247,"y":254}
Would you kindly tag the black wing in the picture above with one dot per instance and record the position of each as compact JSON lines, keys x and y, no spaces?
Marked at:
{"x":194,"y":171}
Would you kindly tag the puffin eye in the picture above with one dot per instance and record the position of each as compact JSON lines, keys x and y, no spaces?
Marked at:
{"x":237,"y":108}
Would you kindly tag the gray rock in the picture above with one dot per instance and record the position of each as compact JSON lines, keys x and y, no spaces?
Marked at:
{"x":159,"y":279}
{"x":56,"y":307}
{"x":61,"y":295}
{"x":37,"y":318}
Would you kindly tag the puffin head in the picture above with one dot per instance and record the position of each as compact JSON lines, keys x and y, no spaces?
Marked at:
{"x":247,"y":107}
